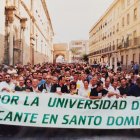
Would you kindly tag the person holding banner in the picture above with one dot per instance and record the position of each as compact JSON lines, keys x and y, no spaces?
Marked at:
{"x":124,"y":88}
{"x":7,"y":85}
{"x":108,"y":85}
{"x":60,"y":87}
{"x":85,"y":91}
{"x":115,"y":91}
{"x":73,"y":89}
{"x":21,"y":86}
{"x":98,"y":92}
{"x":135,"y":90}
{"x":34,"y":87}
{"x":93,"y":82}
{"x":47,"y":85}
{"x":28,"y":83}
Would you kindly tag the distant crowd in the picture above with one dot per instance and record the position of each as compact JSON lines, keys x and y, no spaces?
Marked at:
{"x":89,"y":81}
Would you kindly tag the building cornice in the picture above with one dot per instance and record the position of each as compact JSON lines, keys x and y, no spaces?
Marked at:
{"x":33,"y":19}
{"x":28,"y":11}
{"x":47,"y":14}
{"x":107,"y":11}
{"x":41,"y":32}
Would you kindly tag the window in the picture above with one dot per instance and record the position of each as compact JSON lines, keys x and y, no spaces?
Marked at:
{"x":128,"y":19}
{"x":126,"y":60}
{"x":134,"y":57}
{"x":117,"y":27}
{"x":123,"y":22}
{"x":135,"y":37}
{"x":113,"y":62}
{"x":113,"y":29}
{"x":77,"y":43}
{"x":122,"y":59}
{"x":135,"y":14}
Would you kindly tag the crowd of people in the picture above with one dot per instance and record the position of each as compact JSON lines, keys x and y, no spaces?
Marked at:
{"x":92,"y":82}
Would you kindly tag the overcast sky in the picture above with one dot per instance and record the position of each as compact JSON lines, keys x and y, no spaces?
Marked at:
{"x":72,"y":19}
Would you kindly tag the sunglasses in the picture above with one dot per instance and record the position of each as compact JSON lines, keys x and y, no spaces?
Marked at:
{"x":7,"y":77}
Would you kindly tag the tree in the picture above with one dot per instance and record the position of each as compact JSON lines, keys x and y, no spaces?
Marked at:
{"x":85,"y":58}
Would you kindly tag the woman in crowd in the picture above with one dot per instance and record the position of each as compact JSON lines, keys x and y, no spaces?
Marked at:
{"x":73,"y":89}
{"x":28,"y":84}
{"x":85,"y":91}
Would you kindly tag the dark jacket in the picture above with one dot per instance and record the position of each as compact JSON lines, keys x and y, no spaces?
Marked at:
{"x":64,"y":88}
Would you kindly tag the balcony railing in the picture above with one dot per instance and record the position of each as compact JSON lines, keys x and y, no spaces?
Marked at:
{"x":125,"y":44}
{"x":129,"y":43}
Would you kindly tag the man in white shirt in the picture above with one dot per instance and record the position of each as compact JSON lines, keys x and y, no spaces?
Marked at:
{"x":108,"y":86}
{"x":93,"y":82}
{"x":7,"y":85}
{"x":115,"y":91}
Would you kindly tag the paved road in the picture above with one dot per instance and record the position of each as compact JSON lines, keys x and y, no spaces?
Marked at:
{"x":30,"y":133}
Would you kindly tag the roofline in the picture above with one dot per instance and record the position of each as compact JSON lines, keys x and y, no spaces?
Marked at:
{"x":106,"y":12}
{"x":47,"y":14}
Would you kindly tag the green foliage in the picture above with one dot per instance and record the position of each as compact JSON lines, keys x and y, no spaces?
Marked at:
{"x":85,"y":58}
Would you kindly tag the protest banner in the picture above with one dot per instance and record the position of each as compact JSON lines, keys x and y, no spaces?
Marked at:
{"x":67,"y":111}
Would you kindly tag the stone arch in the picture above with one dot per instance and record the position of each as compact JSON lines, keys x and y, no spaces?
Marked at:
{"x":59,"y":54}
{"x":61,"y":49}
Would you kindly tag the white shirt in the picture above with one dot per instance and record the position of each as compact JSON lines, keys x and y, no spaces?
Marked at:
{"x":90,"y":85}
{"x":13,"y":71}
{"x":109,"y":89}
{"x":116,"y":91}
{"x":80,"y":84}
{"x":84,"y":92}
{"x":10,"y":86}
{"x":103,"y":80}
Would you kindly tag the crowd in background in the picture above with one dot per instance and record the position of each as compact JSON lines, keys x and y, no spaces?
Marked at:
{"x":89,"y":81}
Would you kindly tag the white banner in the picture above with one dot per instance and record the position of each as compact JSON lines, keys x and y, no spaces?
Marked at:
{"x":67,"y":111}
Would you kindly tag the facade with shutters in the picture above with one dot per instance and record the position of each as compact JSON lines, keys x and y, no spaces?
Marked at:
{"x":116,"y":36}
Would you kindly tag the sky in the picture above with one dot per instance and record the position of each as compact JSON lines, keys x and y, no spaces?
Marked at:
{"x":72,"y":19}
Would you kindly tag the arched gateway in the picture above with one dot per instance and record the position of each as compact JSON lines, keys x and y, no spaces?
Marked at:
{"x":61,"y":49}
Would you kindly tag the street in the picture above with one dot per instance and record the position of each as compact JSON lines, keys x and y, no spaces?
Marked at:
{"x":16,"y":132}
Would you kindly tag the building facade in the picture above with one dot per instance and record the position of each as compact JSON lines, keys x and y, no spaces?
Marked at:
{"x":78,"y":48}
{"x":26,"y":33}
{"x":116,"y":36}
